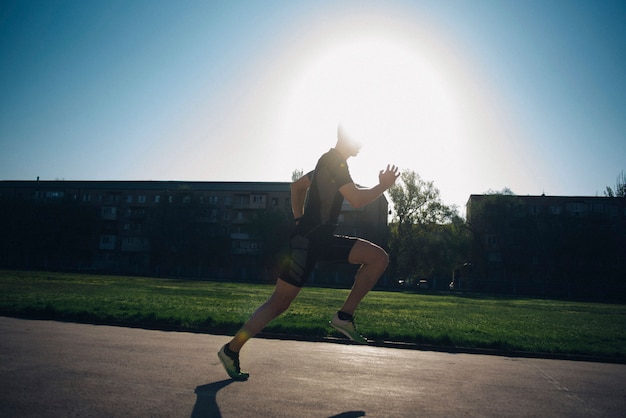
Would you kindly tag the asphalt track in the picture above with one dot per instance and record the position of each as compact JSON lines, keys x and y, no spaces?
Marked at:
{"x":55,"y":369}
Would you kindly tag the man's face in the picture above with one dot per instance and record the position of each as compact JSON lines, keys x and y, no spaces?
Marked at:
{"x":350,"y":145}
{"x":354,"y":148}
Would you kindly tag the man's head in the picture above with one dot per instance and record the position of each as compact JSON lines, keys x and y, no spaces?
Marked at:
{"x":347,"y":145}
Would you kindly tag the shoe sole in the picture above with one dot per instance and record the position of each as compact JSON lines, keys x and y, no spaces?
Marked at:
{"x":242,"y":377}
{"x":347,"y":334}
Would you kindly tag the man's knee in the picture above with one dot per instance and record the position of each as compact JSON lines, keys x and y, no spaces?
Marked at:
{"x":282,"y":306}
{"x":367,"y":253}
{"x":282,"y":297}
{"x":381,"y":259}
{"x":276,"y":305}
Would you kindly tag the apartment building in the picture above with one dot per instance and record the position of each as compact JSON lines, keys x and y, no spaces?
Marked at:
{"x":229,"y":230}
{"x":563,"y":246}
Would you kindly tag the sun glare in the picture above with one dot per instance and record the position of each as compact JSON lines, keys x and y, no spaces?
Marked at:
{"x":399,"y":87}
{"x":389,"y":95}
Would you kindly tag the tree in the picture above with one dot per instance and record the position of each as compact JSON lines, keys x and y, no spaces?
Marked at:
{"x":296,"y":174}
{"x":417,"y":201}
{"x":620,"y":187}
{"x":428,"y":239}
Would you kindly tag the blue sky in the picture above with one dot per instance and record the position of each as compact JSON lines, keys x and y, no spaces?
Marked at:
{"x":472,"y":95}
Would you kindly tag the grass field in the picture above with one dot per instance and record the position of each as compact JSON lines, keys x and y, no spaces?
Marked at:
{"x":473,"y":321}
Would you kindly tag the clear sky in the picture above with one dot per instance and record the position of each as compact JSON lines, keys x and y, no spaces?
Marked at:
{"x":472,"y":95}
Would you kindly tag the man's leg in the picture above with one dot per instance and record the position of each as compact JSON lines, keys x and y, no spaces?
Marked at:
{"x":284,"y":294}
{"x":373,"y":261}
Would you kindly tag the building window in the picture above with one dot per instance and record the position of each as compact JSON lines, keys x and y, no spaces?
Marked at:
{"x":107,"y":242}
{"x":599,"y":208}
{"x":612,"y":210}
{"x":109,"y":212}
{"x":494,"y":257}
{"x":577,"y":209}
{"x":54,"y":195}
{"x":132,"y":226}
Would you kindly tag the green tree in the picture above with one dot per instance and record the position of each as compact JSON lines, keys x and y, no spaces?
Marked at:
{"x":417,"y":201}
{"x":428,"y":238}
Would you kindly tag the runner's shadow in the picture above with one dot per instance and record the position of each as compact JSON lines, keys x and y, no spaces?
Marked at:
{"x":206,"y":404}
{"x":350,"y":414}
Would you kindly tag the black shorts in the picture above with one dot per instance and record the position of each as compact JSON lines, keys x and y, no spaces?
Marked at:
{"x":306,"y":250}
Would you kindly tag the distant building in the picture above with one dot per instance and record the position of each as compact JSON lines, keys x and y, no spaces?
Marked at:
{"x":547,"y":245}
{"x":230,"y":230}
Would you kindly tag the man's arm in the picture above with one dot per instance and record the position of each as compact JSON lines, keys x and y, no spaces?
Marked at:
{"x":360,"y":197}
{"x":298,"y":195}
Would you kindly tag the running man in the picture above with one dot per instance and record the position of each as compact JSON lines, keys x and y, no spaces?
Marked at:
{"x":316,"y":201}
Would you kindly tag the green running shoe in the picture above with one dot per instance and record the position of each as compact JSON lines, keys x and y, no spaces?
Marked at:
{"x":348,"y":329}
{"x":231,"y":364}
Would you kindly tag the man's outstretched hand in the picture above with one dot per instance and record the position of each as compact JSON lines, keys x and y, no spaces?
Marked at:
{"x":388,"y":176}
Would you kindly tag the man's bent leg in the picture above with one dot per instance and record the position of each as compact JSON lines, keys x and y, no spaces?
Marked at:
{"x":374,"y":261}
{"x":284,"y":294}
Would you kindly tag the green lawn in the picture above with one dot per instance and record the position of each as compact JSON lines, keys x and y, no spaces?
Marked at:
{"x":475,"y":321}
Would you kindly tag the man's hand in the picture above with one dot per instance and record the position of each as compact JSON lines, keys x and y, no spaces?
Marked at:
{"x":358,"y":197}
{"x":388,"y":177}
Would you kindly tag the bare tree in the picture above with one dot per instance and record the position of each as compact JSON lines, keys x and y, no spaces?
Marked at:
{"x":620,"y":187}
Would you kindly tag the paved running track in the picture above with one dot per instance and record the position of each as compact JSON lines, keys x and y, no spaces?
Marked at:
{"x":56,"y":369}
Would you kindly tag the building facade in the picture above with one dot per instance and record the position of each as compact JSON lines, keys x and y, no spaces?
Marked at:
{"x":560,"y":246}
{"x":228,"y":230}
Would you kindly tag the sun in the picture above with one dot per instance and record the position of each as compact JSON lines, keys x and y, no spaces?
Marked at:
{"x":407,"y":90}
{"x":388,"y":94}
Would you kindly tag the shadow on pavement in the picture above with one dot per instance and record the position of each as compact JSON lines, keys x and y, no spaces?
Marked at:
{"x":350,"y":414}
{"x":206,"y":404}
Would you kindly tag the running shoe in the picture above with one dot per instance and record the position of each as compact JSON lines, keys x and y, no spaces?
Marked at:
{"x":348,"y":329}
{"x":231,"y":364}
